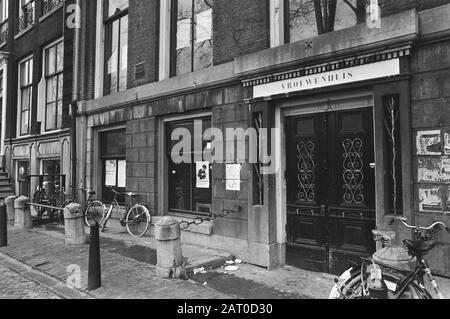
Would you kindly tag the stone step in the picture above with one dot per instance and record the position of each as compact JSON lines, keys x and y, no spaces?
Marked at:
{"x":5,"y":182}
{"x":6,"y":187}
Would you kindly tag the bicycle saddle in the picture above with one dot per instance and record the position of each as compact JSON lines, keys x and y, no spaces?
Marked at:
{"x":420,"y":247}
{"x":133,"y":195}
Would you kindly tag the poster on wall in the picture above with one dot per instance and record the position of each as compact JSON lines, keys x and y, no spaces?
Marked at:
{"x":434,"y":199}
{"x":122,"y":174}
{"x":110,"y":173}
{"x":203,"y":180}
{"x":233,"y":176}
{"x":429,"y":143}
{"x":447,"y":143}
{"x":434,"y":170}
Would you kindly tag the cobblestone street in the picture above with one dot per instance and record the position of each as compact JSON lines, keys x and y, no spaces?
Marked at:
{"x":15,"y":286}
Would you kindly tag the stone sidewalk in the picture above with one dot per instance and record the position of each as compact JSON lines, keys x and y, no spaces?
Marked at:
{"x":128,"y":270}
{"x":13,"y":285}
{"x":122,"y":277}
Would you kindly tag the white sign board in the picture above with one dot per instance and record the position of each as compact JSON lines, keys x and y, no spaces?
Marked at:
{"x":233,"y":174}
{"x":110,"y":173}
{"x":326,"y":79}
{"x":122,"y":174}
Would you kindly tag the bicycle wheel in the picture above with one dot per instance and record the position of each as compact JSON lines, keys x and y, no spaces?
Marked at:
{"x":352,"y":287}
{"x":94,"y":213}
{"x":137,"y":220}
{"x":40,"y":198}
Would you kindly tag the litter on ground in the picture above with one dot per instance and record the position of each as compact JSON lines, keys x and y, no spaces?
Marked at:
{"x":231,"y":268}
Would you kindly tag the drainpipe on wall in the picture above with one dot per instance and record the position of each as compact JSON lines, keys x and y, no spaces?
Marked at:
{"x":75,"y":98}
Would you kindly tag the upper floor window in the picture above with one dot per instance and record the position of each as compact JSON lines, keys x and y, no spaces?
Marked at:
{"x":53,"y":73}
{"x":25,"y":95}
{"x":4,"y":13}
{"x":309,"y":18}
{"x":4,"y":21}
{"x":49,"y":5}
{"x":26,"y":14}
{"x":116,"y":45}
{"x":193,"y":41}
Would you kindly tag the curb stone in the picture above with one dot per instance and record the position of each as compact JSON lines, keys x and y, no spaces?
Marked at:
{"x":56,"y":286}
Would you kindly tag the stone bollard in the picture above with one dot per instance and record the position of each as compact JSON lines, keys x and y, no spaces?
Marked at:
{"x":171,"y":263}
{"x":22,"y":214}
{"x":74,"y":225}
{"x":9,"y":201}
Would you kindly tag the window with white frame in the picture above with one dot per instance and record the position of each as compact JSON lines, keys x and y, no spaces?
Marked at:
{"x":53,"y":73}
{"x":3,"y":21}
{"x":49,"y":5}
{"x":26,"y":14}
{"x":192,"y":43}
{"x":25,"y":95}
{"x":115,"y":19}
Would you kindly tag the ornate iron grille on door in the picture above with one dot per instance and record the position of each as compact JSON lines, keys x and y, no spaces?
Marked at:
{"x":306,"y":174}
{"x":353,"y":171}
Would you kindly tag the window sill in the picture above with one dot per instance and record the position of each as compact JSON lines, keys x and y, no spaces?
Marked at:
{"x":46,"y":15}
{"x":21,"y":33}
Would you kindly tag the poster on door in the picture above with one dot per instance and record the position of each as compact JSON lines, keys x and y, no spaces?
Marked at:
{"x":203,"y":178}
{"x":233,"y":174}
{"x":122,"y":174}
{"x":110,"y":173}
{"x":429,"y":143}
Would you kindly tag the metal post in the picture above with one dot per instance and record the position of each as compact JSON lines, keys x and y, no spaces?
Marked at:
{"x":3,"y":226}
{"x":94,"y":273}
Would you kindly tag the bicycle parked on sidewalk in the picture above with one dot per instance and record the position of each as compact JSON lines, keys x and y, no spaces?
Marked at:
{"x":136,"y":218}
{"x":375,"y":280}
{"x":90,"y":206}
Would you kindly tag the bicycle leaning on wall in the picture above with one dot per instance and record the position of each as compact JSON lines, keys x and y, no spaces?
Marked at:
{"x":136,"y":218}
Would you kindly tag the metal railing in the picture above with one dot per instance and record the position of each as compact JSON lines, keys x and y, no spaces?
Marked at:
{"x":26,"y":19}
{"x":4,"y":32}
{"x":49,"y":5}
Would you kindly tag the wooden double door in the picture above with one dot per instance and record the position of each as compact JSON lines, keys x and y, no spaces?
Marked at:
{"x":330,"y":179}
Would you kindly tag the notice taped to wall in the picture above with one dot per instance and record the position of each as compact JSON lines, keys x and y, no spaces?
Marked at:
{"x":434,"y":170}
{"x":203,"y":178}
{"x":233,"y":176}
{"x":434,"y":199}
{"x":447,"y":143}
{"x":429,"y":143}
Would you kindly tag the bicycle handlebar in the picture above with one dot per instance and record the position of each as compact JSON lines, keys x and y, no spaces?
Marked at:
{"x":404,"y":222}
{"x":119,"y":193}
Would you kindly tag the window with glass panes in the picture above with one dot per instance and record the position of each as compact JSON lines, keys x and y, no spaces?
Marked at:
{"x":26,"y":92}
{"x":116,"y":45}
{"x":26,"y":14}
{"x":190,"y":188}
{"x":113,"y":156}
{"x":309,"y":18}
{"x":192,"y":43}
{"x":54,"y":66}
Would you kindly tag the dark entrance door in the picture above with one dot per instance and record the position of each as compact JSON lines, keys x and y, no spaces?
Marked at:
{"x":330,"y":189}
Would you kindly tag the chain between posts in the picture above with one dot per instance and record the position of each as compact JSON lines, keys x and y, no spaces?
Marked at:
{"x":200,"y":220}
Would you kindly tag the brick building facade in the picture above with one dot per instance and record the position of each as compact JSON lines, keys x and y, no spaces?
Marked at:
{"x":308,"y":214}
{"x":38,"y":91}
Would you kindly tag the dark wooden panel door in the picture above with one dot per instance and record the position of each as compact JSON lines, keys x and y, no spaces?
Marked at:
{"x":330,"y":189}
